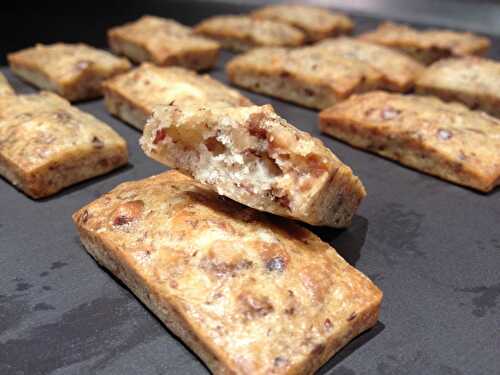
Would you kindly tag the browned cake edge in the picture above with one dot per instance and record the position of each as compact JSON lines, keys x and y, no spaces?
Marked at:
{"x":406,"y":151}
{"x":54,"y":176}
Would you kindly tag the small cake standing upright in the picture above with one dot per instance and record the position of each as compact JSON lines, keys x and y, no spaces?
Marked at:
{"x":315,"y":22}
{"x":163,"y":42}
{"x":133,"y":95}
{"x":46,"y":144}
{"x":427,"y":46}
{"x":255,"y":157}
{"x":5,"y":88}
{"x":74,"y":71}
{"x":241,"y":33}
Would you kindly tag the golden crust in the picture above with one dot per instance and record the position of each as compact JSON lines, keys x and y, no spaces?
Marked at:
{"x":430,"y":45}
{"x":5,"y":88}
{"x":471,"y":80}
{"x":140,"y":90}
{"x":240,"y":33}
{"x":250,"y":294}
{"x":310,"y":76}
{"x":46,"y":144}
{"x":163,"y":42}
{"x":253,"y":156}
{"x":316,"y":23}
{"x":443,"y":139}
{"x":74,"y":71}
{"x":399,"y":71}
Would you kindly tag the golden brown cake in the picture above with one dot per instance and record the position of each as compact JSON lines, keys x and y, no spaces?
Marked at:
{"x":248,"y":293}
{"x":309,"y":76}
{"x":163,"y":42}
{"x":399,"y":71}
{"x":5,"y":88}
{"x":46,"y":144}
{"x":133,"y":95}
{"x":446,"y":140}
{"x":315,"y":22}
{"x":427,"y":46}
{"x":471,"y":80}
{"x":74,"y":71}
{"x":255,"y":157}
{"x":240,"y":33}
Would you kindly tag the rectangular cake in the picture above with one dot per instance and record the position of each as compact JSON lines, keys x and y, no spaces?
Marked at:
{"x":446,"y":140}
{"x":133,"y":95}
{"x":163,"y":42}
{"x":255,"y":157}
{"x":247,"y":292}
{"x":399,"y":71}
{"x":309,"y":76}
{"x":241,"y":33}
{"x":315,"y":22}
{"x":471,"y":80}
{"x":74,"y":71}
{"x":427,"y":46}
{"x":5,"y":88}
{"x":46,"y":144}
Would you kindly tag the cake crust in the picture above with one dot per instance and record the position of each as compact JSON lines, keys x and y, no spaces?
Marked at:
{"x":249,"y":294}
{"x":5,"y":88}
{"x":399,"y":71}
{"x":309,"y":76}
{"x":164,"y":42}
{"x":73,"y":71}
{"x":315,"y":22}
{"x":446,"y":140}
{"x":253,"y":156}
{"x":241,"y":33}
{"x":133,"y":95}
{"x":46,"y":144}
{"x":471,"y":80}
{"x":427,"y":46}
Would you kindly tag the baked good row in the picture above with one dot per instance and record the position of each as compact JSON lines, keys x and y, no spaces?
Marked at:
{"x":220,"y":272}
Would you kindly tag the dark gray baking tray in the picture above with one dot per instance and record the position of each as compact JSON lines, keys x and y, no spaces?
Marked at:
{"x":431,"y":246}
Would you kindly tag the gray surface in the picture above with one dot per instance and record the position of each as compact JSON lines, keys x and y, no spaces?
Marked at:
{"x":432,"y":247}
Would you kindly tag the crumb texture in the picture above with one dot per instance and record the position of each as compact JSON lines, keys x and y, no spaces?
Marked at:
{"x":255,"y":157}
{"x":444,"y":139}
{"x":228,"y":279}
